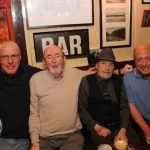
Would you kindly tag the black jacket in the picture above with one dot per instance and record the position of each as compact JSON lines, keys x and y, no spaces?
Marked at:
{"x":15,"y":102}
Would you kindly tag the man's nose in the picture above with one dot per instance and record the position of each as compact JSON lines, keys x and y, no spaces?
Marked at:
{"x":53,"y":59}
{"x":107,"y":66}
{"x":143,"y":61}
{"x":10,"y":60}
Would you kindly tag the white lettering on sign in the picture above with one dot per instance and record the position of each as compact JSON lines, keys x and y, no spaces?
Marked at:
{"x":73,"y":45}
{"x":62,"y":43}
{"x":46,"y":42}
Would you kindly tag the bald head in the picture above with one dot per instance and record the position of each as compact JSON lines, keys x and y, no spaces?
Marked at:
{"x":9,"y":45}
{"x":140,"y":48}
{"x":142,"y":59}
{"x":52,"y":49}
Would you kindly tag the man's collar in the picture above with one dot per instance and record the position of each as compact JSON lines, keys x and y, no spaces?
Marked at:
{"x":137,"y":73}
{"x":101,"y":79}
{"x":54,"y":77}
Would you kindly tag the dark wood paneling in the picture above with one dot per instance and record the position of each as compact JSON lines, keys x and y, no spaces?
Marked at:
{"x":19,"y":28}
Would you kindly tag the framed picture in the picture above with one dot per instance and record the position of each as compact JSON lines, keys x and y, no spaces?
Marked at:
{"x":145,"y":1}
{"x":58,"y":13}
{"x":146,"y":19}
{"x":115,"y":23}
{"x":6,"y":24}
{"x":2,"y":1}
{"x":74,"y":43}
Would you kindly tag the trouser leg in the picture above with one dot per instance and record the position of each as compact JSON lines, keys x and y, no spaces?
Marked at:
{"x":98,"y":140}
{"x":132,"y":135}
{"x":22,"y":144}
{"x":140,"y":132}
{"x":73,"y":142}
{"x":5,"y":145}
{"x":47,"y":144}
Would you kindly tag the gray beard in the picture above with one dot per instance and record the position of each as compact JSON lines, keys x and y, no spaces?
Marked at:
{"x":56,"y":72}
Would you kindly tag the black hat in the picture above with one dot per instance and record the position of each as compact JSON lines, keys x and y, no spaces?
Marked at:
{"x":107,"y":54}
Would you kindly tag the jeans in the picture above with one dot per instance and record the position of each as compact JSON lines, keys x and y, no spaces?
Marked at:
{"x":14,"y":144}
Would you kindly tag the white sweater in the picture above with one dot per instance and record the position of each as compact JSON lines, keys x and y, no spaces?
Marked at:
{"x":53,"y":108}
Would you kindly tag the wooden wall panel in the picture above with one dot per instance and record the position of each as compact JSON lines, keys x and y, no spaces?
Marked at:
{"x":19,"y":28}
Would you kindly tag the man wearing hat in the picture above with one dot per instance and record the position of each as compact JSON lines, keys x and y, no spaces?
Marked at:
{"x":103,"y":104}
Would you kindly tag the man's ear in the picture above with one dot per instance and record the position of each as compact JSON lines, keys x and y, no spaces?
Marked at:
{"x":96,"y":66}
{"x":64,"y":59}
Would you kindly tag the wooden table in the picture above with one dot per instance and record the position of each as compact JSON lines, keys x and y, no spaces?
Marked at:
{"x":90,"y":146}
{"x":140,"y":146}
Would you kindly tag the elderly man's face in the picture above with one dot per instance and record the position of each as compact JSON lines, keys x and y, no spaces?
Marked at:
{"x":10,"y":58}
{"x":54,"y":60}
{"x":105,"y":68}
{"x":142,"y":60}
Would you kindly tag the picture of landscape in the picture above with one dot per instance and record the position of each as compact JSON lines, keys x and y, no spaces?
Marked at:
{"x":115,"y":23}
{"x":115,"y":15}
{"x":115,"y":34}
{"x":115,"y":1}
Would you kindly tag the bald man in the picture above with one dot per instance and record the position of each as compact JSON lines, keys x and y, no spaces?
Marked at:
{"x":54,"y":123}
{"x":137,"y":84}
{"x":14,"y":98}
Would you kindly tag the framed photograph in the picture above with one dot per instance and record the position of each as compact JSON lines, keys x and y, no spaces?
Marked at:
{"x":2,"y":1}
{"x":146,"y":19}
{"x":74,"y":43}
{"x":115,"y":23}
{"x":6,"y":24}
{"x":145,"y":1}
{"x":58,"y":13}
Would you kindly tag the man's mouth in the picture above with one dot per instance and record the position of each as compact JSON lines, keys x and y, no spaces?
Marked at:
{"x":10,"y":67}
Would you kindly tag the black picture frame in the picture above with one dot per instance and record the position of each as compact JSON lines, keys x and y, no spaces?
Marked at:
{"x":115,"y":23}
{"x":146,"y":19}
{"x":58,"y":13}
{"x":74,"y":43}
{"x":145,"y":1}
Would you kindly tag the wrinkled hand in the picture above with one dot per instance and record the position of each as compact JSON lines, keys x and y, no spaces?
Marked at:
{"x":147,"y":136}
{"x":35,"y":146}
{"x":92,"y":69}
{"x":102,"y":131}
{"x":121,"y":134}
{"x":126,"y":69}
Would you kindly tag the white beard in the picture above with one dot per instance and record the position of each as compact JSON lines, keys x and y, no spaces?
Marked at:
{"x":55,"y":71}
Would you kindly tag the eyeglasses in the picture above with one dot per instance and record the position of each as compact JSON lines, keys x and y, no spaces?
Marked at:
{"x":50,"y":57}
{"x":13,"y":57}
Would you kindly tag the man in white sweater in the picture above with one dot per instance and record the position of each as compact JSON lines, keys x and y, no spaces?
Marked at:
{"x":54,"y":122}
